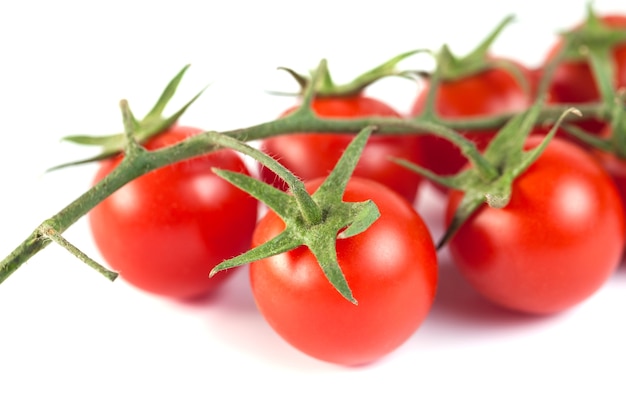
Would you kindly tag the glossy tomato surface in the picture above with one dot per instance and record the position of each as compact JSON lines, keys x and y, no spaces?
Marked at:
{"x":574,"y":82}
{"x":557,"y":241}
{"x":616,"y":167}
{"x":313,"y":155}
{"x":163,"y":232}
{"x":487,"y":93}
{"x":391,"y":269}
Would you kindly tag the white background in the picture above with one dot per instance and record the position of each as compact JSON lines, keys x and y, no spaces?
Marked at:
{"x":73,"y":344}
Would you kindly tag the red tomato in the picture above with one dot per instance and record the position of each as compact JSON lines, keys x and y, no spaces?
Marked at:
{"x":573,"y":81}
{"x":312,"y":155}
{"x":487,"y":93}
{"x":166,"y":230}
{"x":392,"y":271}
{"x":556,"y":242}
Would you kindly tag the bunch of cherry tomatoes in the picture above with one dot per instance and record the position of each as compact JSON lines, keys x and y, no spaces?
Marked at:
{"x":557,"y":240}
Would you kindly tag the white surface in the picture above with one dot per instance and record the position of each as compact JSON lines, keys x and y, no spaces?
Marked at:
{"x":73,"y":344}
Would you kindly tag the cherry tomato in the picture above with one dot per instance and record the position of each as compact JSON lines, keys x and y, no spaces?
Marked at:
{"x":391,"y":269}
{"x":556,"y":242}
{"x":163,"y":232}
{"x":573,"y":81}
{"x":312,"y":155}
{"x":487,"y":93}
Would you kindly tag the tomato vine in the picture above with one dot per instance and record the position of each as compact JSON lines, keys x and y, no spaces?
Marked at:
{"x":138,"y":161}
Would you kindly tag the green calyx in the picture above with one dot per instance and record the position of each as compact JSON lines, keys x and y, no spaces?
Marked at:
{"x":618,"y":126}
{"x":315,"y":221}
{"x":451,"y":67}
{"x":489,"y":179}
{"x":328,"y":88}
{"x":594,"y":43}
{"x":593,"y":35}
{"x":152,"y":124}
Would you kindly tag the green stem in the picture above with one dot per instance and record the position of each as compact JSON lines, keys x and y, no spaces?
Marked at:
{"x":308,"y":207}
{"x":468,"y":148}
{"x":430,"y":112}
{"x":602,"y":68}
{"x":49,"y":232}
{"x":389,"y":125}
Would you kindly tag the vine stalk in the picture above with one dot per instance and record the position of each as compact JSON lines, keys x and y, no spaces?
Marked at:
{"x":136,"y":164}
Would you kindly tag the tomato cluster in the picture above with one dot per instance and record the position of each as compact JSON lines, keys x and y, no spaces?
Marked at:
{"x":549,"y":247}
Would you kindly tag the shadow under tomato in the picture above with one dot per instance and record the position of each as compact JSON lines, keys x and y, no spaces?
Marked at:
{"x":621,"y":268}
{"x":232,"y":294}
{"x":232,"y":317}
{"x":459,"y":314}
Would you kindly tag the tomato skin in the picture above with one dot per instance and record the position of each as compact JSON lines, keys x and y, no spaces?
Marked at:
{"x":313,"y":155}
{"x":391,"y":269}
{"x":164,"y":232}
{"x":488,"y":93}
{"x":573,"y":81}
{"x":616,"y":168}
{"x":556,"y":242}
